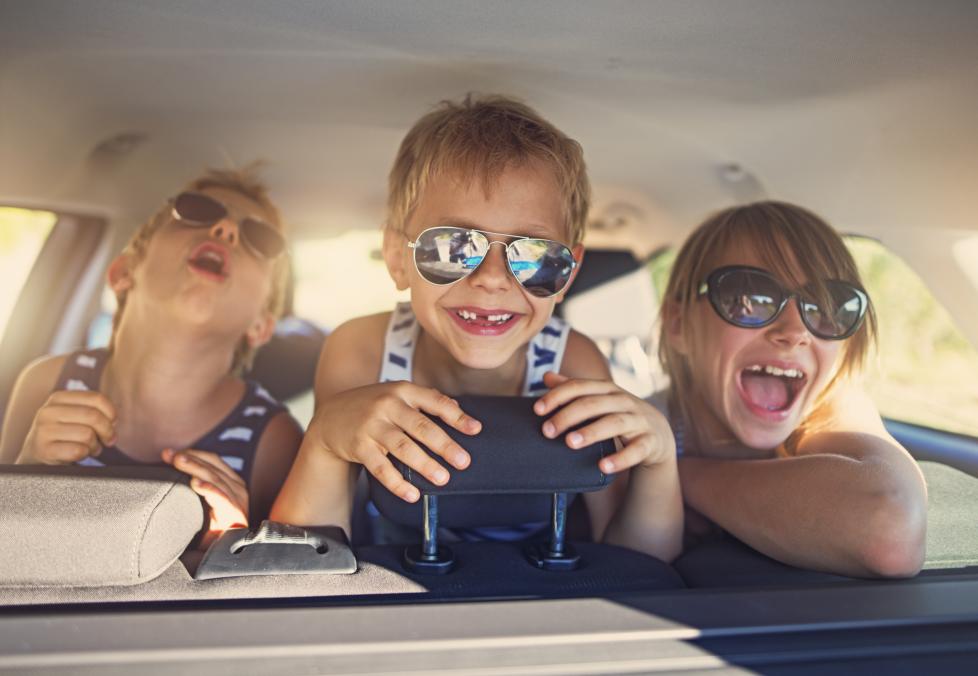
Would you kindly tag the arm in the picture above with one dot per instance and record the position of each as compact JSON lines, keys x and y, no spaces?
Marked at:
{"x":852,"y":501}
{"x":274,"y":456}
{"x":642,"y":509}
{"x":33,"y":386}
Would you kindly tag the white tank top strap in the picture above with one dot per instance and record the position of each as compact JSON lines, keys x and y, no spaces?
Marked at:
{"x":402,"y":334}
{"x":545,"y":353}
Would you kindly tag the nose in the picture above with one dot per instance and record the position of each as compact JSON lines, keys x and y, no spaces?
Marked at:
{"x":788,"y":330}
{"x":226,"y":230}
{"x":493,"y":273}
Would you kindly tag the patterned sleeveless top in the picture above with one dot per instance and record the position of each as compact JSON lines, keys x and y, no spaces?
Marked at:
{"x":544,"y":352}
{"x":234,"y":439}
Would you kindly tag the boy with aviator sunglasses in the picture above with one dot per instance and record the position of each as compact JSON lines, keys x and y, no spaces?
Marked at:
{"x":765,"y":326}
{"x":486,"y":211}
{"x":199,"y":288}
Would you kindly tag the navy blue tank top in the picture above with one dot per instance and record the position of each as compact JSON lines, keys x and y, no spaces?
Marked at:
{"x":234,"y":439}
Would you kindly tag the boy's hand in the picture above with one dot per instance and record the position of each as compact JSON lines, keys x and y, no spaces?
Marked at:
{"x":70,"y":426}
{"x":644,"y":432}
{"x":222,"y":488}
{"x":365,"y":424}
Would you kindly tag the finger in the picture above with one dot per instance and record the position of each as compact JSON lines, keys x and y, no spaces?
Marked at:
{"x":64,"y":453}
{"x":586,"y":409}
{"x":621,"y":425}
{"x":216,"y":463}
{"x":219,"y":501}
{"x":83,"y":415}
{"x":79,"y":434}
{"x":407,"y":451}
{"x":88,"y":398}
{"x":425,"y":430}
{"x":569,"y":390}
{"x":634,"y":453}
{"x":434,"y":402}
{"x":204,"y":471}
{"x":378,"y":464}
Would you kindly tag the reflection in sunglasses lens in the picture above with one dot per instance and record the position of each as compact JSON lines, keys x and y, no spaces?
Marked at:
{"x":198,"y":209}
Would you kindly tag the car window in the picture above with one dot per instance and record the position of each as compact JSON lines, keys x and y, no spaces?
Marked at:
{"x":22,"y":234}
{"x":339,"y":278}
{"x":925,"y":371}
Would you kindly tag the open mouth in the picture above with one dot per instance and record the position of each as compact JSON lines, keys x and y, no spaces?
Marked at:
{"x":210,"y":259}
{"x":488,"y":319}
{"x":484,"y":322}
{"x":771,"y":388}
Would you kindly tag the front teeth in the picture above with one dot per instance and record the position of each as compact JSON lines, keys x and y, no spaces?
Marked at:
{"x":775,"y":371}
{"x":471,"y":316}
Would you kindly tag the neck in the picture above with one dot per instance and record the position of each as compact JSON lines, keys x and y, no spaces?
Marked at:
{"x":435,"y":367}
{"x":708,"y":437}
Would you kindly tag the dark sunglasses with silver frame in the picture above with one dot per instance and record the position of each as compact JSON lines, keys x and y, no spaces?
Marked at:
{"x":199,"y":210}
{"x":752,"y":298}
{"x":446,"y":254}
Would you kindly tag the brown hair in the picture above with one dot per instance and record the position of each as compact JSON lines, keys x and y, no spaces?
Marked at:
{"x":796,"y":246}
{"x":482,"y":137}
{"x":246,"y":182}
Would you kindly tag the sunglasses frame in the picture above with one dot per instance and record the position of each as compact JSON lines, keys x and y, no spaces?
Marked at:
{"x":707,"y":287}
{"x":244,"y":236}
{"x":516,"y":238}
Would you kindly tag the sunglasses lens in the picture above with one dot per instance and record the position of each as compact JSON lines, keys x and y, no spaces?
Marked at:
{"x":194,"y":208}
{"x":542,"y":266}
{"x":840,"y":312}
{"x":262,"y":237}
{"x":746,"y":298}
{"x":446,"y":255}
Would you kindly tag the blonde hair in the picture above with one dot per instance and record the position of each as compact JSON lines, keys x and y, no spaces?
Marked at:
{"x":482,"y":137}
{"x":795,"y":245}
{"x":246,"y":182}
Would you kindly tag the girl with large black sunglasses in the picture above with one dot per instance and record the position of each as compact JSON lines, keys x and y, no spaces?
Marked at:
{"x":765,"y":327}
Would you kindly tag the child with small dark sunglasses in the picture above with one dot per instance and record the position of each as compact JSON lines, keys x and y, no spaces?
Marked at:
{"x":199,"y":288}
{"x":486,"y":213}
{"x":765,"y":326}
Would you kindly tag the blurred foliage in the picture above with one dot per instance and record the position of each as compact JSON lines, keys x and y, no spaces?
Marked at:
{"x":925,"y":371}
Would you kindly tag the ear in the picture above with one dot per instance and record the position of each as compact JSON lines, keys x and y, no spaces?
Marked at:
{"x":261,"y":330}
{"x":578,"y":253}
{"x":395,"y":255}
{"x":119,"y":274}
{"x":673,"y":320}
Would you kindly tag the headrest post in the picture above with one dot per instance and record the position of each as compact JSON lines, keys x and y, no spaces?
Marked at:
{"x":429,"y":558}
{"x":557,"y":554}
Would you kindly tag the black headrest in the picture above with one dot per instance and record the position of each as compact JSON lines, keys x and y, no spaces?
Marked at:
{"x":513,"y":473}
{"x":600,"y":267}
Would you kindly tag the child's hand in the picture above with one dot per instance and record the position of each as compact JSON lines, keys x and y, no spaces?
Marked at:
{"x":71,"y":426}
{"x":222,"y":488}
{"x":366,"y":424}
{"x":644,"y":432}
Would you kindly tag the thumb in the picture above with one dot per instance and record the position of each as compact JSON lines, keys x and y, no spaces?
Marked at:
{"x":167,"y":454}
{"x":552,"y":379}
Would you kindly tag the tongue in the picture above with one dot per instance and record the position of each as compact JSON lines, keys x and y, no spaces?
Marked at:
{"x":770,"y":392}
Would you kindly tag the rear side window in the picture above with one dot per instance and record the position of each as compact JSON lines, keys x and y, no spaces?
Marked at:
{"x":926,"y":372}
{"x":22,"y":234}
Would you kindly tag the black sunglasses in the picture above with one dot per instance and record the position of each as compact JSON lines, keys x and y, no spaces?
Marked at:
{"x":445,"y":254}
{"x":752,"y":298}
{"x":202,"y":211}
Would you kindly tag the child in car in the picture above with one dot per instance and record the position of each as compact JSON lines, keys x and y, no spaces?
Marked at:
{"x":765,"y":326}
{"x":469,"y":176}
{"x":199,"y":288}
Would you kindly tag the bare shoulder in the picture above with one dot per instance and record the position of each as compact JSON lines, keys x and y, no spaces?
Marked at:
{"x":583,"y":359}
{"x":352,"y":353}
{"x":851,"y":409}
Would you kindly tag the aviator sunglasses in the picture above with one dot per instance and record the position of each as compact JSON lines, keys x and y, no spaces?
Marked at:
{"x":198,"y":210}
{"x":752,"y":298}
{"x":446,"y":254}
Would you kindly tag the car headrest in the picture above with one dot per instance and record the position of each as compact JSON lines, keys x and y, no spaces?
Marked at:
{"x":93,"y":526}
{"x":513,"y":473}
